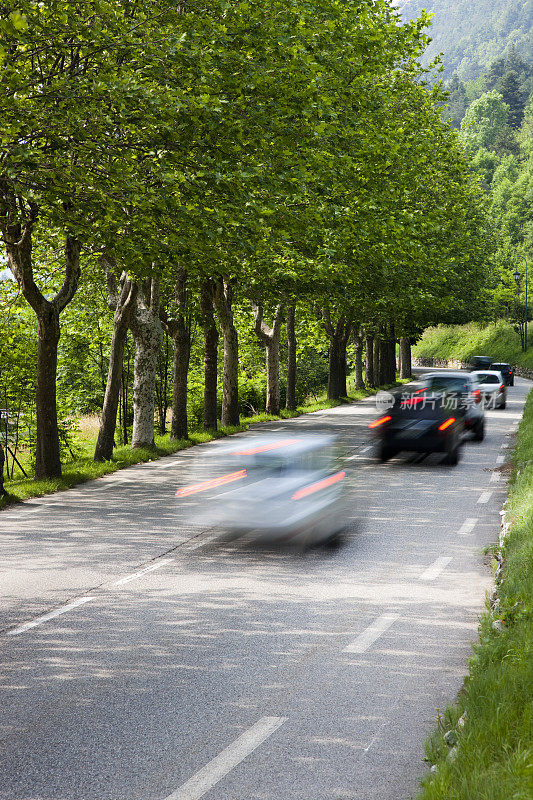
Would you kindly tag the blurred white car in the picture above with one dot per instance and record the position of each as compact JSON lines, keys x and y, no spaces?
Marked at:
{"x":284,"y":490}
{"x":492,"y":387}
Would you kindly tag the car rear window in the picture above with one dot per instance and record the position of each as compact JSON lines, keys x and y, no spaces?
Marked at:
{"x":488,"y":379}
{"x":445,"y":384}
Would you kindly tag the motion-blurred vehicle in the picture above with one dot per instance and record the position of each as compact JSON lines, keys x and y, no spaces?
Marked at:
{"x":506,"y":370}
{"x":421,"y":420}
{"x":468,"y":393}
{"x":480,"y":362}
{"x":492,"y":387}
{"x":273,"y":489}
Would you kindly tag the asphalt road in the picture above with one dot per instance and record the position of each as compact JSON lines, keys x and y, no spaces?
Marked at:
{"x":142,"y":660}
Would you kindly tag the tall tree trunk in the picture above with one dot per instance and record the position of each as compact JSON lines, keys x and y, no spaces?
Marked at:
{"x":291,"y":359}
{"x":223,"y":299}
{"x":377,"y":360}
{"x":178,"y":328}
{"x":358,"y":344}
{"x":148,"y":334}
{"x":271,"y":339}
{"x":211,"y":337}
{"x":2,"y":459}
{"x":343,"y":344}
{"x":47,"y":453}
{"x":405,"y":357}
{"x":392,"y":353}
{"x":17,"y":220}
{"x":338,"y":338}
{"x":123,"y":304}
{"x":370,"y":372}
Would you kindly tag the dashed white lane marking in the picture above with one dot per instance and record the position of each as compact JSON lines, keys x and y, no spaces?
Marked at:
{"x":168,"y":464}
{"x":484,"y":497}
{"x":500,"y":460}
{"x":51,"y":615}
{"x":435,"y":569}
{"x":370,"y":634}
{"x":366,"y":449}
{"x":228,"y":759}
{"x":495,"y":477}
{"x":205,"y":540}
{"x":138,"y":574}
{"x":468,"y":526}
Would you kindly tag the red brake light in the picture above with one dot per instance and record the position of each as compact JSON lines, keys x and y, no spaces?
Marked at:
{"x":477,"y":395}
{"x":315,"y":487}
{"x":380,"y":421}
{"x":502,"y":387}
{"x":211,"y":484}
{"x":412,"y":401}
{"x":447,"y":423}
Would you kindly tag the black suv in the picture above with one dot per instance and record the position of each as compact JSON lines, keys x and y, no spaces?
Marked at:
{"x":480,"y":362}
{"x":506,"y":370}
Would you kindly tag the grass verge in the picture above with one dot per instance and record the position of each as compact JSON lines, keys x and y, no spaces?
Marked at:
{"x":498,"y":340}
{"x":85,"y":469}
{"x":490,"y":755}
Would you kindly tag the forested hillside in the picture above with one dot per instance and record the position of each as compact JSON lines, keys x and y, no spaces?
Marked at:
{"x":474,"y":33}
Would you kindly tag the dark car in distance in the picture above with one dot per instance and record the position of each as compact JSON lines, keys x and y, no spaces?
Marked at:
{"x":480,"y":362}
{"x":506,"y":370}
{"x":423,"y":421}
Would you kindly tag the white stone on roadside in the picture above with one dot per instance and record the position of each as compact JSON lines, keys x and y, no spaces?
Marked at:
{"x":450,"y":737}
{"x":434,"y":768}
{"x":461,"y":721}
{"x":452,"y":755}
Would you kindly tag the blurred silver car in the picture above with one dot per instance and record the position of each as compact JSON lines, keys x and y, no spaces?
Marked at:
{"x":274,"y":489}
{"x":492,"y":387}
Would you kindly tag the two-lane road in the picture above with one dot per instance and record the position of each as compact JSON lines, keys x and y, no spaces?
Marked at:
{"x":141,"y":661}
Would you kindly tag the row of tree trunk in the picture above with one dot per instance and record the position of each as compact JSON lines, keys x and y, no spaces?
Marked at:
{"x":137,"y":307}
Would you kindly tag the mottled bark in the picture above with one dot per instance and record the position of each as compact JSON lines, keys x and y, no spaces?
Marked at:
{"x":122,"y":302}
{"x":178,"y":328}
{"x":2,"y":460}
{"x":405,"y":357}
{"x":290,"y":402}
{"x":223,"y":299}
{"x":338,"y":334}
{"x":377,"y":361}
{"x":17,"y":220}
{"x":211,"y":337}
{"x":358,"y":344}
{"x":270,"y":337}
{"x":148,"y":334}
{"x":369,"y":367}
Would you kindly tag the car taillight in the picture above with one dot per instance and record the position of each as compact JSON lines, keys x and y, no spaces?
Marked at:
{"x":447,"y":423}
{"x":502,"y":388}
{"x":477,"y":395}
{"x":412,"y":401}
{"x":380,"y":421}
{"x":315,"y":487}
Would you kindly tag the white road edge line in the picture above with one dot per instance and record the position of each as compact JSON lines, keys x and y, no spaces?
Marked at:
{"x":435,"y":569}
{"x":228,"y":759}
{"x":201,"y":543}
{"x":500,"y":460}
{"x":51,"y":615}
{"x":138,"y":574}
{"x":468,"y":526}
{"x":484,"y":497}
{"x":495,"y":477}
{"x":370,"y":634}
{"x":366,"y":449}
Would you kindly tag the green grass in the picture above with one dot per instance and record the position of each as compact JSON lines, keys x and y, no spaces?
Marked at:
{"x":498,"y":340}
{"x":85,"y":469}
{"x":494,"y":758}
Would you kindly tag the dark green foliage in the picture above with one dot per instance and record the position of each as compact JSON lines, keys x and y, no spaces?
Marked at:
{"x":510,"y":91}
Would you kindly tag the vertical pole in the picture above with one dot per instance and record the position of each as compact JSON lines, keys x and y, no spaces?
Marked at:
{"x":525,"y":313}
